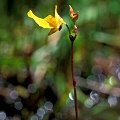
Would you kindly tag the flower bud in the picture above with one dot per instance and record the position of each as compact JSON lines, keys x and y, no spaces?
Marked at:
{"x":75,"y":30}
{"x":73,"y":15}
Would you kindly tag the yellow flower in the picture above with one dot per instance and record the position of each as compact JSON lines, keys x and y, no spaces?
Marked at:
{"x":73,"y":15}
{"x":55,"y":23}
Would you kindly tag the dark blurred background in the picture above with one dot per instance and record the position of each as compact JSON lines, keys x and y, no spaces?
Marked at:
{"x":35,"y":69}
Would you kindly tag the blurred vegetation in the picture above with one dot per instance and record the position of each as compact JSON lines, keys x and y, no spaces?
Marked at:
{"x":35,"y":71}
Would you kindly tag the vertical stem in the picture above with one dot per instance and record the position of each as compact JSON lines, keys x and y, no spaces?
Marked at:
{"x":73,"y":78}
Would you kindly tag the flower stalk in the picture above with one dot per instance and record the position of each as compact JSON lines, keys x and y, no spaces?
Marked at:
{"x":72,"y":39}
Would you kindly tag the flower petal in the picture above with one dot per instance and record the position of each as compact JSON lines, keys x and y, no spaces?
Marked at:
{"x":57,"y":17}
{"x":41,"y":22}
{"x":51,"y":20}
{"x":56,"y":14}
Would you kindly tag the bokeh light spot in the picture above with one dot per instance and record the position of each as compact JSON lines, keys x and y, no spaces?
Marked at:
{"x":112,"y":80}
{"x":2,"y":115}
{"x":102,"y":78}
{"x":18,"y":105}
{"x":32,"y":88}
{"x":94,"y":96}
{"x":71,"y":96}
{"x":14,"y":94}
{"x":48,"y":105}
{"x":40,"y":112}
{"x":91,"y":80}
{"x":16,"y":117}
{"x":88,"y":103}
{"x":112,"y":100}
{"x":34,"y":117}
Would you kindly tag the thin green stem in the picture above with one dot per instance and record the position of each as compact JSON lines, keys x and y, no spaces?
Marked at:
{"x":68,"y":29}
{"x":73,"y":78}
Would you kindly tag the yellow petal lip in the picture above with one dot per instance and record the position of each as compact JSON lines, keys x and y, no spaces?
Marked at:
{"x":41,"y":22}
{"x":54,"y":23}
